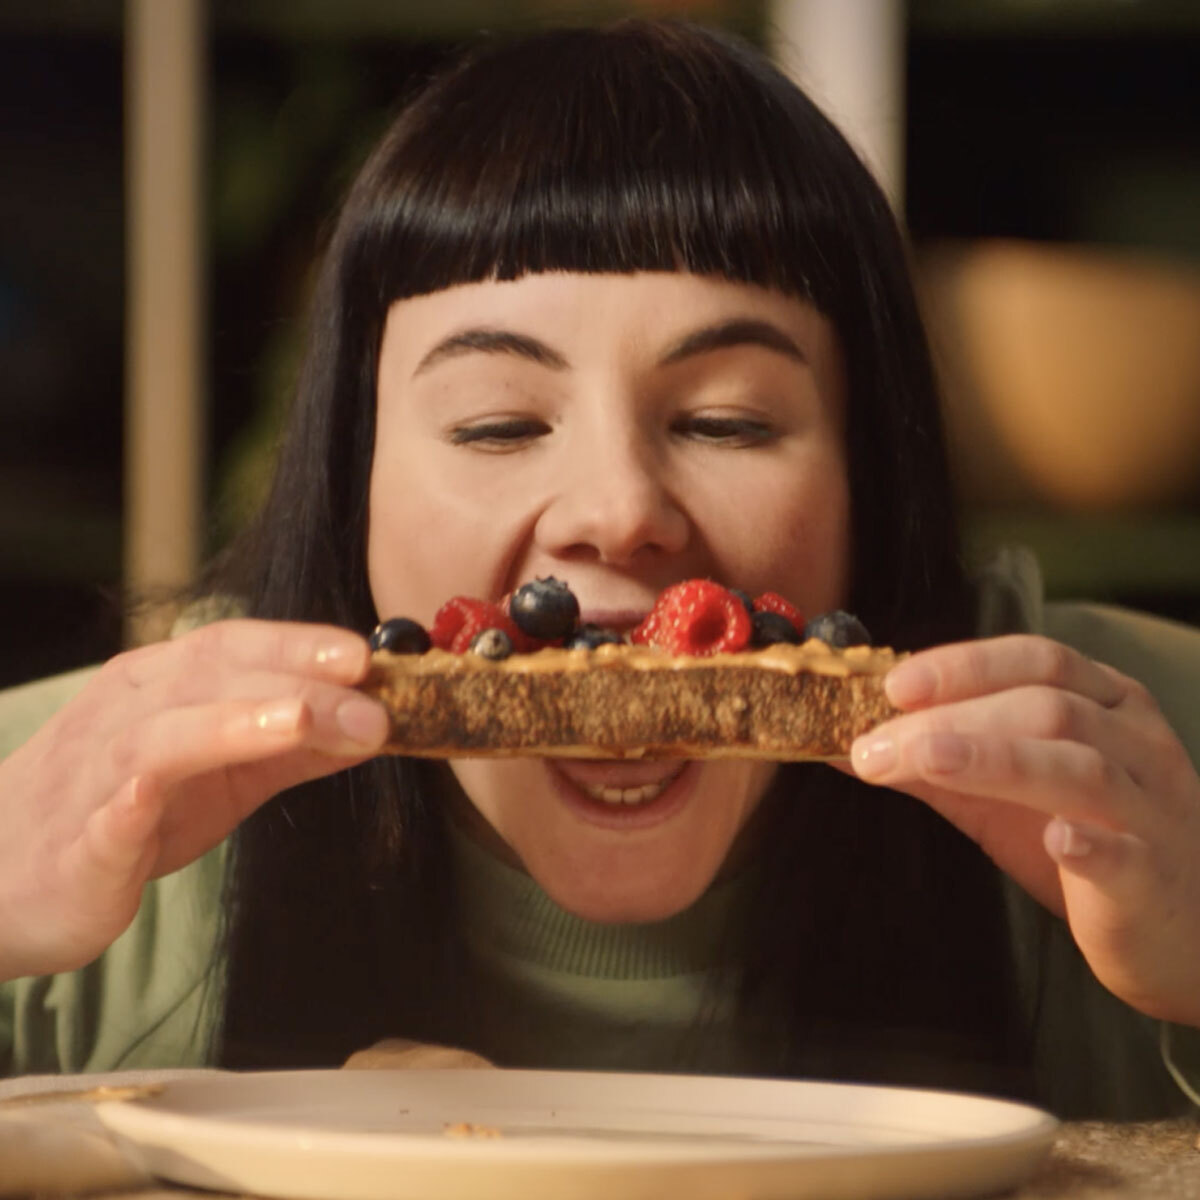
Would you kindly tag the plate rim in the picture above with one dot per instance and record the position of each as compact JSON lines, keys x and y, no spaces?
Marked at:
{"x":139,"y":1117}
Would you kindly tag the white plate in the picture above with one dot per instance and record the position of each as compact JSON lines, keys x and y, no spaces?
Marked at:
{"x":389,"y":1135}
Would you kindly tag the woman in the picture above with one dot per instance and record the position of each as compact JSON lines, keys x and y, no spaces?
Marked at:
{"x":621,"y":307}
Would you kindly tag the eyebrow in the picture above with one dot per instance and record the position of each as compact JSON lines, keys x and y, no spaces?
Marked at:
{"x":739,"y":331}
{"x":492,"y":341}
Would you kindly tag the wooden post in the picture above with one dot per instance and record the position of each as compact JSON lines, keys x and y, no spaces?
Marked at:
{"x":849,"y":55}
{"x":164,"y":425}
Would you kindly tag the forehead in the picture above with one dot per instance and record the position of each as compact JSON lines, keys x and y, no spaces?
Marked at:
{"x":641,"y":308}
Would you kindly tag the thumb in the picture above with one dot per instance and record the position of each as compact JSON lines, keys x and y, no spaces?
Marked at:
{"x":113,"y":855}
{"x":97,"y":887}
{"x":1115,"y":862}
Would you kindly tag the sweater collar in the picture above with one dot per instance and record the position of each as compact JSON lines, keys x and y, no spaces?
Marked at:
{"x":504,"y":912}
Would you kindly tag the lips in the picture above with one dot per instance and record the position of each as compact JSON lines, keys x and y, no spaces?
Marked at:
{"x":619,"y":620}
{"x":619,"y":783}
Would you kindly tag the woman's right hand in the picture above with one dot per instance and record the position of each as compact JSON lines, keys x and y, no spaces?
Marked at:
{"x":160,"y":757}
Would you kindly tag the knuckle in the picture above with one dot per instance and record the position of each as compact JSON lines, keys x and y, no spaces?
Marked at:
{"x":208,"y":641}
{"x":1052,"y":661}
{"x":1141,"y":696}
{"x":973,"y":668}
{"x":1053,"y":715}
{"x":123,"y":751}
{"x":1176,"y":763}
{"x":122,"y":670}
{"x":1098,"y":773}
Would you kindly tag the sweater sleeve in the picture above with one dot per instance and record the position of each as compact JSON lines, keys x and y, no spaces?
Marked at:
{"x":26,"y":708}
{"x":152,"y":998}
{"x":1164,"y":656}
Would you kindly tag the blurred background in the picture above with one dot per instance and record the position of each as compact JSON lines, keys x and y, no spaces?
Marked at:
{"x":168,"y":169}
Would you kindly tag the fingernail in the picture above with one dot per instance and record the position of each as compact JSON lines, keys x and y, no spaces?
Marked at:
{"x":946,"y":753}
{"x":1065,"y":840}
{"x":280,"y":718}
{"x":362,"y":721}
{"x":873,"y":759}
{"x":909,"y":684}
{"x":341,"y":652}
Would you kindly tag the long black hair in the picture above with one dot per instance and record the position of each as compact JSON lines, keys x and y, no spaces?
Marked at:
{"x":642,"y":146}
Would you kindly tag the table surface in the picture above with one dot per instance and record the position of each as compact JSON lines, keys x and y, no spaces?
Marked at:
{"x":1091,"y":1160}
{"x":1139,"y":1161}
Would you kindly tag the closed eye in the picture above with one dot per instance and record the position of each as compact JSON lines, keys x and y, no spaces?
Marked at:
{"x":724,"y":431}
{"x":505,"y":433}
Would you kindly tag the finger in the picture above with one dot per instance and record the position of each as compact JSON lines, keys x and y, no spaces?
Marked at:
{"x":119,"y":838}
{"x":1091,"y":852}
{"x":293,"y":648}
{"x":1120,"y":910}
{"x":1050,"y":714}
{"x":201,"y":814}
{"x":182,"y":742}
{"x":112,"y":857}
{"x":1059,"y":778}
{"x":967,"y":669}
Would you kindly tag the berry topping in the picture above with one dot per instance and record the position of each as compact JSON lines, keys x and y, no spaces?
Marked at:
{"x":697,"y":617}
{"x":646,"y":634}
{"x":461,"y":618}
{"x":773,"y":602}
{"x":545,"y":609}
{"x":588,"y":637}
{"x":400,"y":636}
{"x":838,"y":629}
{"x":492,"y":643}
{"x":745,"y":598}
{"x":772,"y":627}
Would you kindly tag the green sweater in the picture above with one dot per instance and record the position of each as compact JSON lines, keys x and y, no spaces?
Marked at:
{"x":568,"y":993}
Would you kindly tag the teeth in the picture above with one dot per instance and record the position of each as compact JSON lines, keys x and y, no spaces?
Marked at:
{"x":630,"y":795}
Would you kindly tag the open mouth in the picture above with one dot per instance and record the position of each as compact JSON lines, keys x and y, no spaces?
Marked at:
{"x":619,"y":620}
{"x":621,"y":791}
{"x":615,"y":794}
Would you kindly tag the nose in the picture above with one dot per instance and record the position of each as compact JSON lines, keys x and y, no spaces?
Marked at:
{"x":613,"y":506}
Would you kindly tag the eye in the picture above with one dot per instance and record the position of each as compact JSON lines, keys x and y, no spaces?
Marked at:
{"x":730,"y":431}
{"x":499,"y":434}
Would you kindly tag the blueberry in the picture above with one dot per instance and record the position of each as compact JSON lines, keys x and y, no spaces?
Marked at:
{"x":400,"y":636}
{"x":588,"y":637}
{"x":492,"y":643}
{"x":745,"y":598}
{"x":838,"y":629}
{"x":770,"y":627}
{"x":545,"y":609}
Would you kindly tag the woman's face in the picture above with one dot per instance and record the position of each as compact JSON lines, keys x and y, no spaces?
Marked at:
{"x":621,"y":433}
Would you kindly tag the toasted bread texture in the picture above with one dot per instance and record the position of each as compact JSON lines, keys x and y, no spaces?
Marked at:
{"x":782,"y":702}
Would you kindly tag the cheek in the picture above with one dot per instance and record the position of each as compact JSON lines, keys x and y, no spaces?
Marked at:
{"x":398,"y":566}
{"x":429,"y":538}
{"x":790,"y":533}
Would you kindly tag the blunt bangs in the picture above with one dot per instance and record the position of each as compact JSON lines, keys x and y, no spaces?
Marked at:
{"x":531,"y":157}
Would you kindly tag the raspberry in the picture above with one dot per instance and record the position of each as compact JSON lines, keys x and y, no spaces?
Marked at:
{"x":646,"y":634}
{"x":775,"y":603}
{"x":698,"y":617}
{"x":461,"y":619}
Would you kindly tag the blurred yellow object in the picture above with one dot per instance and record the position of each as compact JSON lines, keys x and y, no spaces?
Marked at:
{"x":1072,"y":374}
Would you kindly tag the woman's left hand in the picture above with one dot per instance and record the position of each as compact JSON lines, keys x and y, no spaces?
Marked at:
{"x":1068,"y":776}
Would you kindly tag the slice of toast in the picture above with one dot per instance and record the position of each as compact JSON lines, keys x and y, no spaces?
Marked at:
{"x":782,"y":702}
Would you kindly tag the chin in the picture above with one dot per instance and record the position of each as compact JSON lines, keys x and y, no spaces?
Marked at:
{"x":616,"y":898}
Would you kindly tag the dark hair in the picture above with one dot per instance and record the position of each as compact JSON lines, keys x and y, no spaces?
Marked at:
{"x":640,"y":146}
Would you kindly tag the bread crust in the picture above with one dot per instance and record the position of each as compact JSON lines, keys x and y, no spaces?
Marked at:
{"x":785,"y":703}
